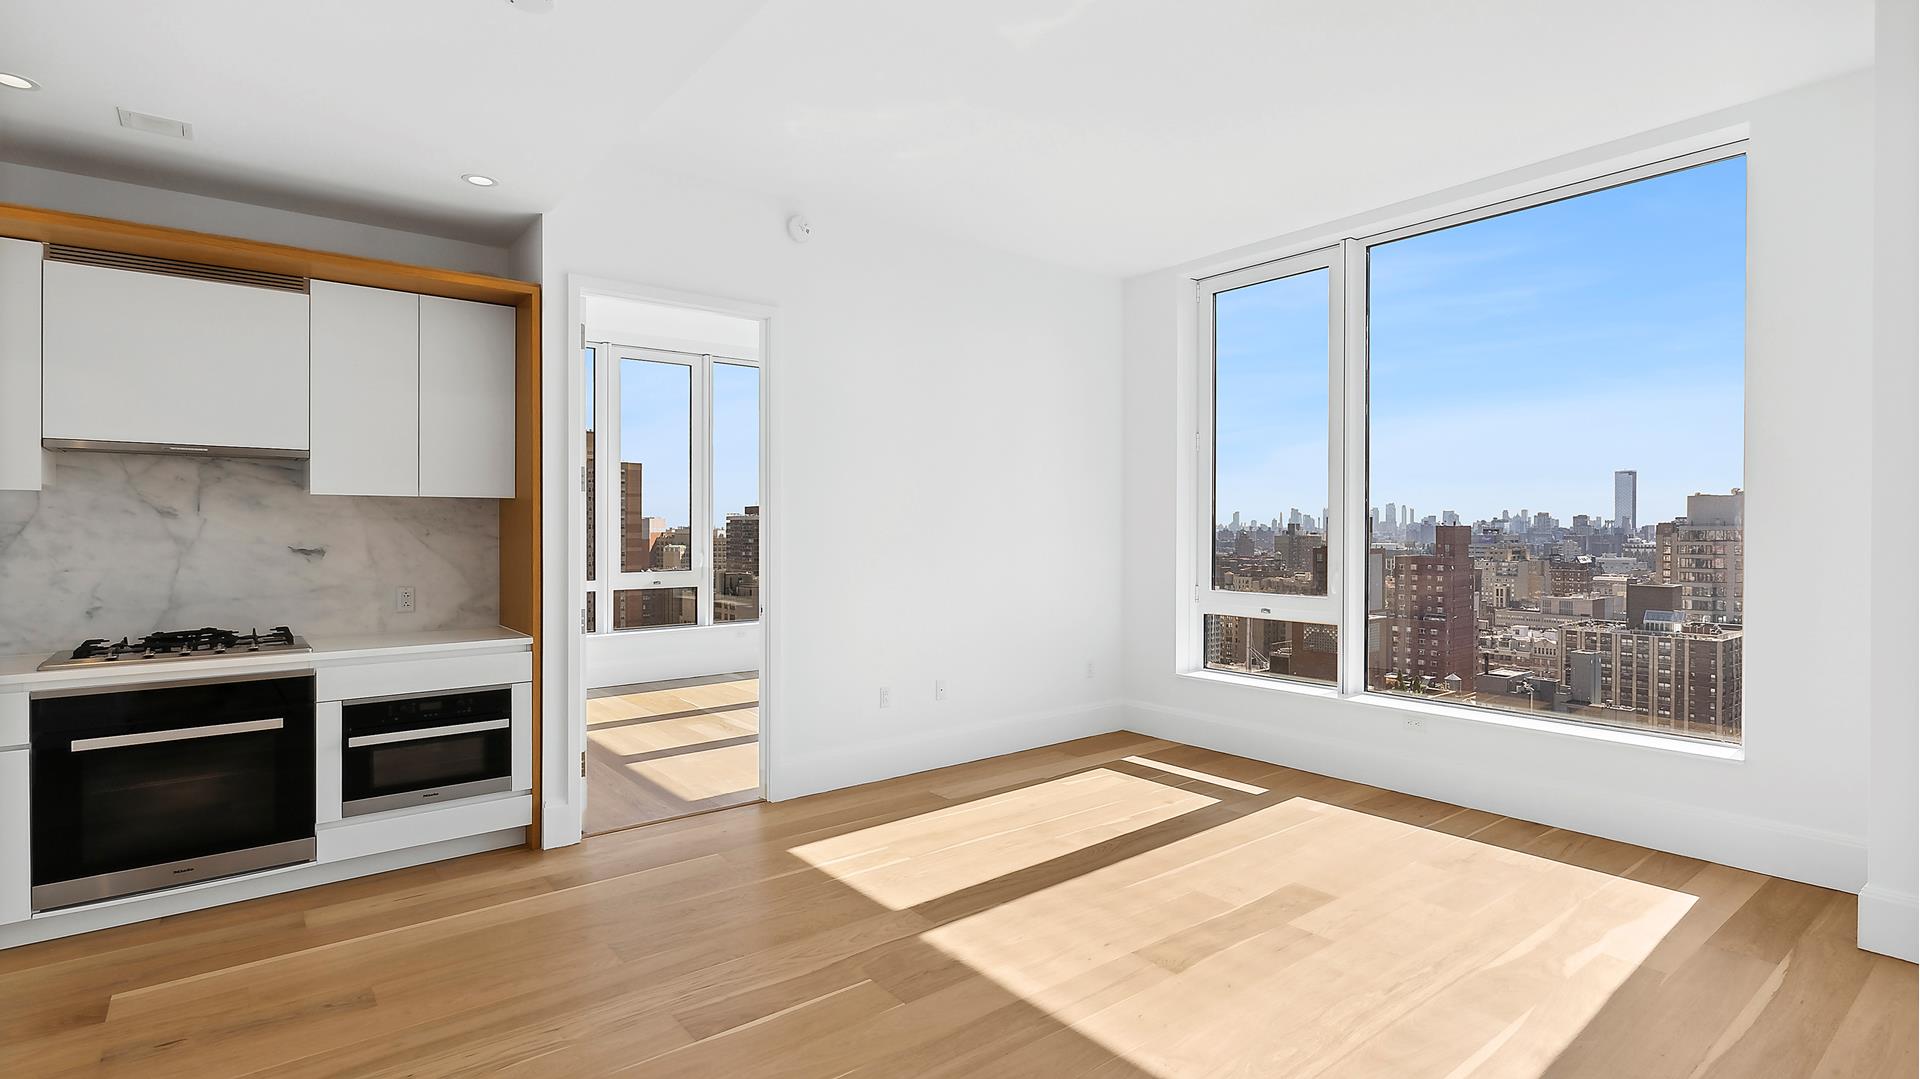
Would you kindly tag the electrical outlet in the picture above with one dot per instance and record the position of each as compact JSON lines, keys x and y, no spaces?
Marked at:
{"x":403,"y":599}
{"x":1416,"y":723}
{"x":886,"y":698}
{"x":939,"y":690}
{"x":1089,"y":668}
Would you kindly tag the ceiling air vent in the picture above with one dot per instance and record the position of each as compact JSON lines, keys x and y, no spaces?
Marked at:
{"x":115,"y":260}
{"x":154,"y":125}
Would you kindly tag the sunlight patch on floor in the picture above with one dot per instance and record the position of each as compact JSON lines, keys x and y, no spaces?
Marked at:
{"x":1189,"y":773}
{"x":651,"y":737}
{"x":706,"y":773}
{"x":910,"y":861}
{"x":1307,"y":939}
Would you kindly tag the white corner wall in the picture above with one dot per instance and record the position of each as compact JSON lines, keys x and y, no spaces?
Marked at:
{"x":1796,"y":806}
{"x":944,"y":498}
{"x":1889,"y":911}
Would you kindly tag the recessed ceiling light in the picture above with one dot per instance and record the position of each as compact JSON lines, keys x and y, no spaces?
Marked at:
{"x":17,"y":82}
{"x":478,"y":180}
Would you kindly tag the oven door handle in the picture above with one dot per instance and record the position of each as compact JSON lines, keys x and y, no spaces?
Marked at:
{"x":427,"y":732}
{"x":180,"y":734}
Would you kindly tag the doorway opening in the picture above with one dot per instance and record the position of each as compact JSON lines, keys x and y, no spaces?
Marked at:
{"x":672,"y":621}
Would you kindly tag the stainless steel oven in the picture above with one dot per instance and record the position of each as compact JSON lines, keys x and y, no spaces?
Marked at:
{"x":147,"y":786}
{"x":417,"y":749}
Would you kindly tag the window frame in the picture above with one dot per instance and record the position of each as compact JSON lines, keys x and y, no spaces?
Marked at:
{"x":608,"y":364}
{"x":1323,"y":610}
{"x":1346,"y":254}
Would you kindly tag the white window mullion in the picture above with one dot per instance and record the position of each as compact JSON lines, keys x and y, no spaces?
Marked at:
{"x":1351,"y":460}
{"x":606,"y":377}
{"x":703,"y":488}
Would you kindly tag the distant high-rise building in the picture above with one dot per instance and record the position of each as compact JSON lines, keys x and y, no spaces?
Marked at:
{"x":1705,"y":555}
{"x":636,"y":539}
{"x":592,"y":516}
{"x":1626,"y":499}
{"x":1430,"y":623}
{"x":1393,"y":515}
{"x":736,"y":570}
{"x":1234,"y":525}
{"x":1660,"y":673}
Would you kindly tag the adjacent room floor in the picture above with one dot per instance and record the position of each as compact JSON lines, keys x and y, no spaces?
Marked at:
{"x":668,"y":749}
{"x":1113,"y":907}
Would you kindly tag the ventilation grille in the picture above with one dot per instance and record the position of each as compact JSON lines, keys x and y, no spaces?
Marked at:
{"x":199,"y":271}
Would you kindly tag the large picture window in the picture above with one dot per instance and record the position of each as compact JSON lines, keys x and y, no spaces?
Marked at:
{"x":1538,"y":497}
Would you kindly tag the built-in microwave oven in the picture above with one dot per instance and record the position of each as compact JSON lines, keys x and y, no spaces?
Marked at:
{"x":420,"y":749}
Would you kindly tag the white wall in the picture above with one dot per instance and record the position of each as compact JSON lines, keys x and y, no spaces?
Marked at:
{"x":1796,"y":806}
{"x":30,"y":186}
{"x":1888,"y":908}
{"x":653,"y":655}
{"x":944,"y":497}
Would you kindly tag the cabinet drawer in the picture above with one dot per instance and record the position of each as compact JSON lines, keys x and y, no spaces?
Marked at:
{"x":362,"y":680}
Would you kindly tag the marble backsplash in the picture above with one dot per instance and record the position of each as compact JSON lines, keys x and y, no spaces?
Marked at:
{"x":121,"y":544}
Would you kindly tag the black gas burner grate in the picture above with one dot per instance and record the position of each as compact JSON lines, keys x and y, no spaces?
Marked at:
{"x":184,"y":643}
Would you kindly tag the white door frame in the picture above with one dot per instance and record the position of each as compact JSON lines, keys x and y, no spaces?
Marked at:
{"x":574,"y":729}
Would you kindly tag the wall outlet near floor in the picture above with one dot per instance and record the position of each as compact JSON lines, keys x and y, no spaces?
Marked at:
{"x":939,"y":690}
{"x":886,"y":698}
{"x":403,"y":599}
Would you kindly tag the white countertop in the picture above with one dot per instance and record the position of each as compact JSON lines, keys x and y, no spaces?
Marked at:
{"x":18,"y":672}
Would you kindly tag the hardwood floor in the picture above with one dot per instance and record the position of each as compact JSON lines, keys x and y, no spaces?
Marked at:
{"x":1113,"y":907}
{"x":670,"y":749}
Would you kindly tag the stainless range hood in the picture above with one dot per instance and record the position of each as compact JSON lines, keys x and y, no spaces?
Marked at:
{"x":96,"y":445}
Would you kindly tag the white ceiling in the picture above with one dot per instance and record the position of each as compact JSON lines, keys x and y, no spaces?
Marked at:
{"x":365,"y":109}
{"x":1120,"y":135}
{"x":1126,"y":135}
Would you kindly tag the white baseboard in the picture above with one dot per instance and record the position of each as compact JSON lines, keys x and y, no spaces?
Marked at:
{"x":66,"y":923}
{"x":1890,"y":922}
{"x":1776,"y":848}
{"x":798,"y":776}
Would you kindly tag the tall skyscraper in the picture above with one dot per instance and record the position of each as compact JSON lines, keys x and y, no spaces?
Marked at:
{"x":1626,"y":500}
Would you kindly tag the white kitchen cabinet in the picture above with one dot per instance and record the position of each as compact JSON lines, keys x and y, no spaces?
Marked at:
{"x":152,"y":358}
{"x":16,"y":879}
{"x":466,"y":398}
{"x":364,"y":354}
{"x":21,"y":459}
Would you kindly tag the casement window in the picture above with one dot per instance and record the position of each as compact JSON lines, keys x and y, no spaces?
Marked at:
{"x":673,"y":488}
{"x":1476,"y":461}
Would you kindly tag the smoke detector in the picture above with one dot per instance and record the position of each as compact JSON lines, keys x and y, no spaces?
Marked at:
{"x":799,"y":228}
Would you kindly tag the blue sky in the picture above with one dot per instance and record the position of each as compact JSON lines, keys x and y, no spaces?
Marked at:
{"x":656,"y":401}
{"x":1515,"y":361}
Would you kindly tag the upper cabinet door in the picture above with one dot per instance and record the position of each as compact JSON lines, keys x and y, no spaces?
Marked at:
{"x":20,"y":454}
{"x":151,"y":358}
{"x":466,"y":398}
{"x":365,"y":360}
